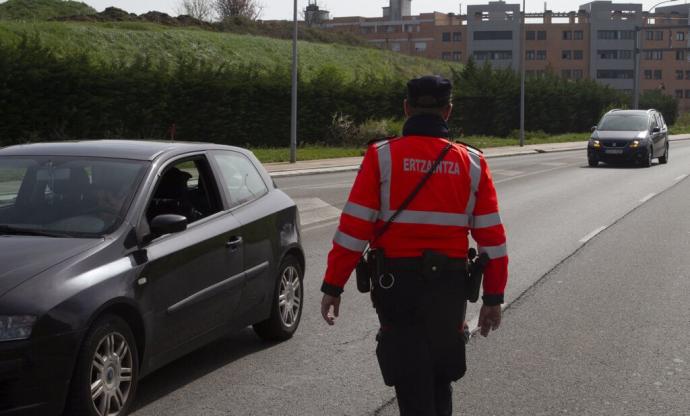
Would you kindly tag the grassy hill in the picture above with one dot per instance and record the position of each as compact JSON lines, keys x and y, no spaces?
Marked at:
{"x":115,"y":42}
{"x":42,"y":9}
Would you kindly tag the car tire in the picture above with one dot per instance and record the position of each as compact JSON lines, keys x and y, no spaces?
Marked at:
{"x":664,"y":159}
{"x":107,"y":370}
{"x":648,"y":160}
{"x":287,"y":303}
{"x":593,"y":163}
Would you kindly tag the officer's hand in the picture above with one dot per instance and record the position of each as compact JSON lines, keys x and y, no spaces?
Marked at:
{"x":326,"y":304}
{"x":489,"y":319}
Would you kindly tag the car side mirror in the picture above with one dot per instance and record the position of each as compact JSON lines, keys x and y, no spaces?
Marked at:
{"x":594,"y":128}
{"x":168,"y":224}
{"x":656,"y":130}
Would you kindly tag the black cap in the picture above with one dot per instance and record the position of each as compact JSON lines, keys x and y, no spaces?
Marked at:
{"x":430,"y":91}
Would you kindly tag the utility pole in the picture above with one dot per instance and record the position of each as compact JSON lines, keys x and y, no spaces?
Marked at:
{"x":293,"y":123}
{"x":522,"y":76}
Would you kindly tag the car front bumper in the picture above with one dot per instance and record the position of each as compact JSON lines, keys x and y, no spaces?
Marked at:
{"x":35,"y":374}
{"x":617,"y":154}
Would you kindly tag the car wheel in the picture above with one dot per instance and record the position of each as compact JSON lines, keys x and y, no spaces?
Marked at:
{"x":593,"y":163}
{"x":648,"y":160}
{"x":106,"y":375}
{"x":286,"y":308}
{"x":664,"y":159}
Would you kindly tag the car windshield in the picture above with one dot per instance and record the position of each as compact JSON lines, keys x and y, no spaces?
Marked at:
{"x":66,"y":196}
{"x":624,"y":122}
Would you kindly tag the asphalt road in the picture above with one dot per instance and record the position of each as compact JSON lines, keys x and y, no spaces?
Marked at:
{"x":552,"y":206}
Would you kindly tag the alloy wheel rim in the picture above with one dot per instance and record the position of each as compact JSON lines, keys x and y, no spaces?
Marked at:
{"x":290,"y":296}
{"x":111,"y":375}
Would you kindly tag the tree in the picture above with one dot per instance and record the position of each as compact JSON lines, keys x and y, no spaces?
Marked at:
{"x":198,"y":9}
{"x":249,"y":9}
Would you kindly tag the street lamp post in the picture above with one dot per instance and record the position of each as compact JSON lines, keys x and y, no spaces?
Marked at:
{"x":293,"y":123}
{"x":636,"y":70}
{"x":522,"y":76}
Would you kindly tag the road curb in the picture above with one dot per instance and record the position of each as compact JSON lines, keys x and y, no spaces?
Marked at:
{"x":351,"y":168}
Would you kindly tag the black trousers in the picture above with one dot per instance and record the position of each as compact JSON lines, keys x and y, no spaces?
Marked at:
{"x":421,"y":348}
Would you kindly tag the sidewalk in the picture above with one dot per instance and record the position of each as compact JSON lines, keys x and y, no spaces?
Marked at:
{"x":346,"y":164}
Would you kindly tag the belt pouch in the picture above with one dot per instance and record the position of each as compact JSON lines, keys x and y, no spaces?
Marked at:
{"x":363,"y":273}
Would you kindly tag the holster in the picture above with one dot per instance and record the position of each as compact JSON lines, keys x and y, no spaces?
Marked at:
{"x":474,"y":281}
{"x":368,"y":268}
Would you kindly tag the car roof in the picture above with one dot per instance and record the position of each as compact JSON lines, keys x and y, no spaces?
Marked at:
{"x":116,"y":149}
{"x":631,"y":112}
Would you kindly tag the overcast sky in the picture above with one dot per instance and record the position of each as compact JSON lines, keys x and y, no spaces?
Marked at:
{"x":282,"y":9}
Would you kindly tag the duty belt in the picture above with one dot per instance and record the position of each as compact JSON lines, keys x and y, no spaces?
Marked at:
{"x":419,"y":264}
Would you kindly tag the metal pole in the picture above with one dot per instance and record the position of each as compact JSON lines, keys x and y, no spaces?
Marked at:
{"x":636,"y":71}
{"x":522,"y":76}
{"x":293,"y":124}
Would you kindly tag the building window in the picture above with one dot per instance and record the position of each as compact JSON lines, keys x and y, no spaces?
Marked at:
{"x":492,"y":55}
{"x":679,"y":74}
{"x":679,"y":93}
{"x":657,"y":74}
{"x":577,"y":74}
{"x":420,"y":46}
{"x":457,"y":36}
{"x":607,"y":54}
{"x":615,"y":74}
{"x":624,"y":54}
{"x":541,"y":35}
{"x":530,"y":35}
{"x":687,"y":93}
{"x":648,"y":74}
{"x":567,"y":35}
{"x":493,"y":35}
{"x":578,"y":35}
{"x":654,"y":55}
{"x":577,"y":55}
{"x":687,"y":75}
{"x":627,"y":34}
{"x":457,"y":56}
{"x":395,"y":47}
{"x":680,"y":36}
{"x":607,"y":34}
{"x":649,"y":35}
{"x":567,"y":55}
{"x":659,"y":35}
{"x":445,"y":37}
{"x":541,"y":55}
{"x":530,"y":55}
{"x":680,"y":55}
{"x":445,"y":56}
{"x":566,"y":74}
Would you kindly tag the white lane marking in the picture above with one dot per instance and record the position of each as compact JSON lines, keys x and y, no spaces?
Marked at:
{"x":553,"y":164}
{"x":313,"y":210}
{"x":507,"y":172}
{"x":334,"y":185}
{"x":681,"y":177}
{"x":648,"y":197}
{"x":592,"y":234}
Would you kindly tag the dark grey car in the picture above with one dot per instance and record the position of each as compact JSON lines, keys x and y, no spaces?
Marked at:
{"x":117,"y":257}
{"x":636,"y":136}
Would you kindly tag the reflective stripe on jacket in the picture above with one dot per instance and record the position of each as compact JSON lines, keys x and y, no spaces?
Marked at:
{"x":458,"y":198}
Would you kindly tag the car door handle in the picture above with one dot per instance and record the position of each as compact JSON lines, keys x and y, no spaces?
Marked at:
{"x":234,"y":243}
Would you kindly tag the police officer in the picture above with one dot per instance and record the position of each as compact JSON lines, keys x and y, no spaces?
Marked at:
{"x":419,"y":288}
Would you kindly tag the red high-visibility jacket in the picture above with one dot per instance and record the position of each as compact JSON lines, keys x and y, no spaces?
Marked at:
{"x":459,"y":198}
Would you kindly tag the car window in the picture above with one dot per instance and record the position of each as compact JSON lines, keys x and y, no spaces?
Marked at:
{"x":655,"y":123}
{"x":242,"y":181}
{"x":624,"y":122}
{"x":185,"y":188}
{"x":11,"y":177}
{"x":75,"y":196}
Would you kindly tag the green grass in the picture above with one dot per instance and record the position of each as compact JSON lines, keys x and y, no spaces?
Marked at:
{"x":271,"y":155}
{"x":126,"y":41}
{"x":682,"y":125}
{"x":42,"y":9}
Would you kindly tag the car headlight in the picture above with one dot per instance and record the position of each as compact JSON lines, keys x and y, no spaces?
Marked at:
{"x":596,"y":143}
{"x":635,"y":144}
{"x":15,"y":328}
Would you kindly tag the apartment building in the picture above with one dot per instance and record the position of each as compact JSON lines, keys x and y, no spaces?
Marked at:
{"x":597,"y":41}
